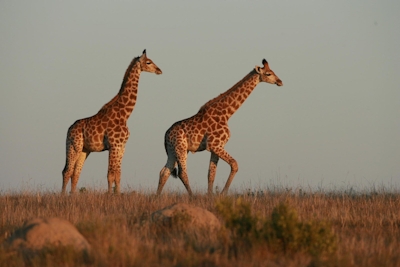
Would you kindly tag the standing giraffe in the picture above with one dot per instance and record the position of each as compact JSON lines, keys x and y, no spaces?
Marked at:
{"x":208,"y":130}
{"x":107,"y":130}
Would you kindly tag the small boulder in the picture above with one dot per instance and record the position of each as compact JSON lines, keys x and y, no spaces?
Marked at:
{"x":40,"y":233}
{"x":185,"y":214}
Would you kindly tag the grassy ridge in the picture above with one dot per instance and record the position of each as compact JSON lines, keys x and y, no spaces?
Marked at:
{"x":366,"y":226}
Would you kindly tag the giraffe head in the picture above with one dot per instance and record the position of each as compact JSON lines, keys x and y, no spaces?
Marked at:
{"x":146,"y":64}
{"x":267,"y":75}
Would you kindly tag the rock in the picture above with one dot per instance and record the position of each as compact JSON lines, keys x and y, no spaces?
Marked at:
{"x":40,"y":233}
{"x":186,"y":215}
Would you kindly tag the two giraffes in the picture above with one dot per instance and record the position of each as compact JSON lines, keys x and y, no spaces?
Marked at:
{"x":207,"y":130}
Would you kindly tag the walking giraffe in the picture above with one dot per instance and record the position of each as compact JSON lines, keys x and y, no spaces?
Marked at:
{"x":107,"y":130}
{"x":208,"y":130}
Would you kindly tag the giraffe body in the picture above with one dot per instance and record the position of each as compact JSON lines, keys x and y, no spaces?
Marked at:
{"x":208,"y":130}
{"x":107,"y":130}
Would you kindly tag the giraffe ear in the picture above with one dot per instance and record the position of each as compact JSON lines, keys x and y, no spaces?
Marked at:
{"x":258,"y":69}
{"x":265,"y":63}
{"x":143,"y":54}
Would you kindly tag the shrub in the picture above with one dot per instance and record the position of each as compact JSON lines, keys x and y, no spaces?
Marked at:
{"x":283,"y":232}
{"x":238,"y":217}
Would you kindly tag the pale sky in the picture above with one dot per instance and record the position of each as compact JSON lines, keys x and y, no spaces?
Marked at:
{"x":334,"y":123}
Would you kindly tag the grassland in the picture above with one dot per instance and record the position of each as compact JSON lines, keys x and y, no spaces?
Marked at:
{"x":366,"y":226}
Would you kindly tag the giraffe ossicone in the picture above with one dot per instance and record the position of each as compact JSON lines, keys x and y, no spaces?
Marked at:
{"x":208,"y":130}
{"x":107,"y":130}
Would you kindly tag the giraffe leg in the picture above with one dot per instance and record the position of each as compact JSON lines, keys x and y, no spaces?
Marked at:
{"x":77,"y":169}
{"x":166,"y":172}
{"x":74,"y":148}
{"x":211,"y":171}
{"x":182,"y":173}
{"x":220,"y":152}
{"x":69,"y":166}
{"x":114,"y":168}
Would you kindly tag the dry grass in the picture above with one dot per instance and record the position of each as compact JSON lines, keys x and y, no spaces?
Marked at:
{"x":367,"y":226}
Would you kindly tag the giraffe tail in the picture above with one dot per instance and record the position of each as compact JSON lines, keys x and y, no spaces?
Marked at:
{"x":174,"y":173}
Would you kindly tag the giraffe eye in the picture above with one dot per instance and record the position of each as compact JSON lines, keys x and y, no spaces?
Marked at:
{"x":148,"y":62}
{"x":268,"y":74}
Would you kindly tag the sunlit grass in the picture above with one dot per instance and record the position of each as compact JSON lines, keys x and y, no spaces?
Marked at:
{"x":365,"y":225}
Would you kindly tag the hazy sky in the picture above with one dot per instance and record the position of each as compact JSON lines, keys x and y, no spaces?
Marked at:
{"x":334,"y":124}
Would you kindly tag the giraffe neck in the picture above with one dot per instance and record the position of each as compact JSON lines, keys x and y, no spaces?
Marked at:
{"x":124,"y":102}
{"x":233,"y":98}
{"x":127,"y":95}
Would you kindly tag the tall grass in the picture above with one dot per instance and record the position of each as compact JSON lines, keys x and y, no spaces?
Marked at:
{"x":365,"y":227}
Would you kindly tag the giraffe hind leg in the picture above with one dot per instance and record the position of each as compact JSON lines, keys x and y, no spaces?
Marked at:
{"x":211,"y":171}
{"x":182,"y":172}
{"x":77,"y":169}
{"x":175,"y":170}
{"x":68,"y":171}
{"x":166,"y":171}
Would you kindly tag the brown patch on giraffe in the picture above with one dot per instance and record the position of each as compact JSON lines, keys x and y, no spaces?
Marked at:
{"x":122,"y":113}
{"x":213,"y":126}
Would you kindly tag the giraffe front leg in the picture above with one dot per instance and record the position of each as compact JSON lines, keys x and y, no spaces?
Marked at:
{"x":114,"y":168}
{"x":221,"y":152}
{"x":211,"y":172}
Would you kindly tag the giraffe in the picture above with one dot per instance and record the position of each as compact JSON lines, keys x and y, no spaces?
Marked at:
{"x":208,"y":130}
{"x":107,"y":130}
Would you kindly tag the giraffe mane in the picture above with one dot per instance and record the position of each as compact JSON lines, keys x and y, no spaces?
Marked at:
{"x":221,"y":96}
{"x":128,"y":70}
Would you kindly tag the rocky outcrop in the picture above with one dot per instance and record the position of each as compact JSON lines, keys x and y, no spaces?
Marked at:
{"x":186,"y":215}
{"x":40,"y":233}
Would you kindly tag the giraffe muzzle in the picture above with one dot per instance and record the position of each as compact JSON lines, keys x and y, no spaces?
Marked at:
{"x":158,"y":71}
{"x":279,"y":82}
